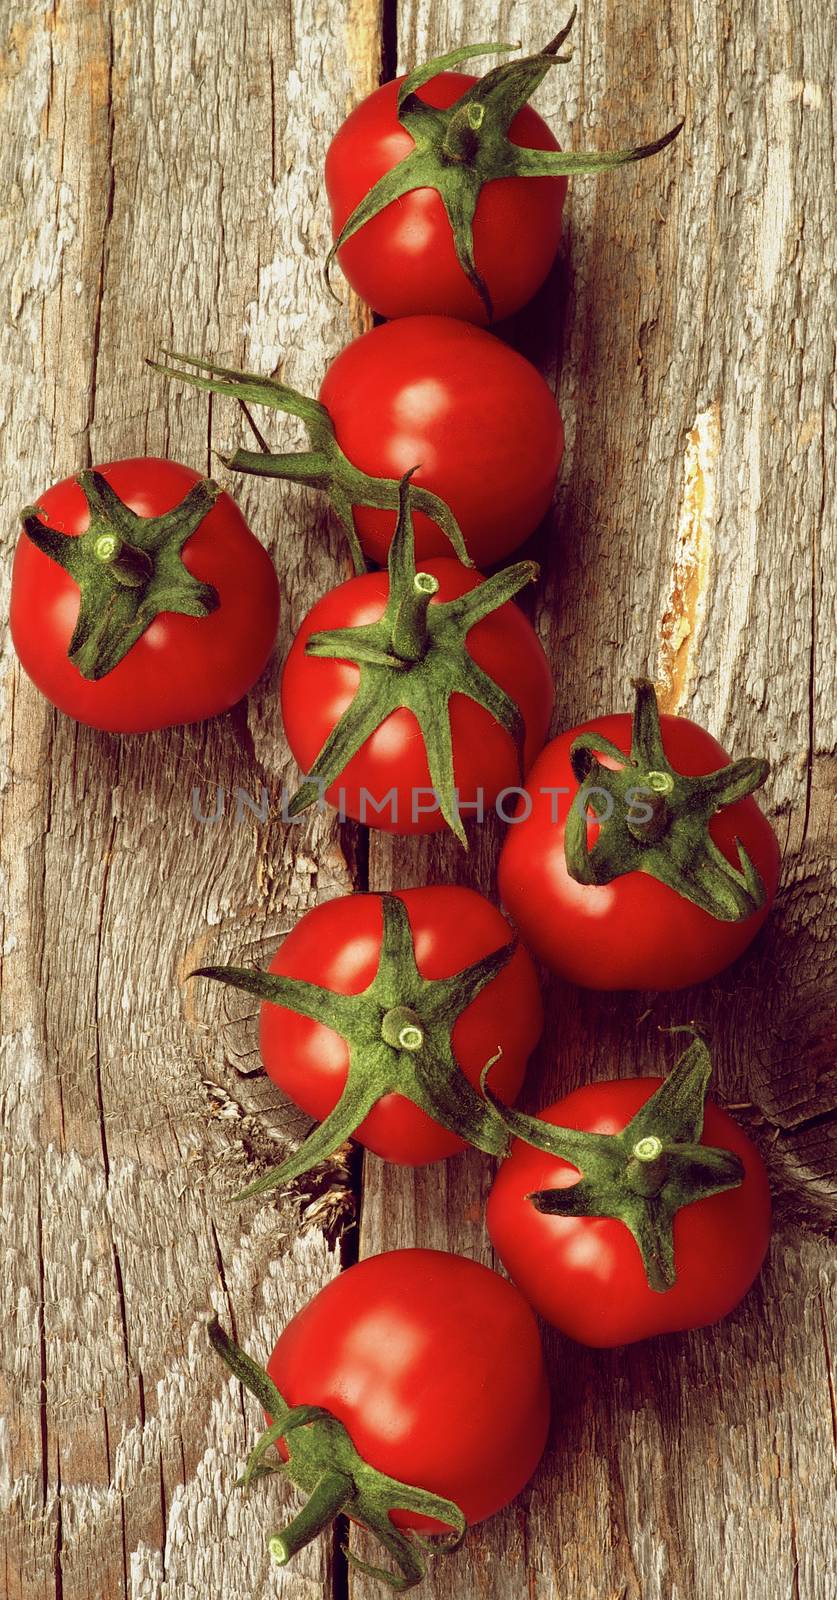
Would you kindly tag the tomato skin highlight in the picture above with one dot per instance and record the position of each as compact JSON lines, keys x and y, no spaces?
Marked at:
{"x":635,"y":932}
{"x":182,"y":669}
{"x":475,"y":419}
{"x":433,"y":1364}
{"x":337,"y":945}
{"x":585,"y":1274}
{"x":403,"y":261}
{"x":315,"y":692}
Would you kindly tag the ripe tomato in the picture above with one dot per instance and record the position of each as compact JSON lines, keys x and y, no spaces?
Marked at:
{"x":433,"y":1364}
{"x":634,"y":932}
{"x":584,"y":1274}
{"x":472,"y":421}
{"x":403,"y":260}
{"x":338,"y":946}
{"x":317,"y":691}
{"x":474,"y":418}
{"x":182,"y":668}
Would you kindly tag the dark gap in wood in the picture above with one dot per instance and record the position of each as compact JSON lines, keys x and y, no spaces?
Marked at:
{"x":363,"y":856}
{"x":257,"y":433}
{"x":107,"y":1443}
{"x":794,"y":1551}
{"x":820,"y":1119}
{"x":219,"y":1261}
{"x":812,"y":672}
{"x":100,"y":291}
{"x":209,"y":438}
{"x":355,"y":842}
{"x":59,"y":1537}
{"x":124,"y":1546}
{"x":123,"y":1313}
{"x":389,"y":40}
{"x":355,"y":846}
{"x":349,"y":1243}
{"x":141,"y":1396}
{"x":348,"y":1240}
{"x":100,"y":1098}
{"x":829,"y":1367}
{"x":42,"y":1353}
{"x":339,"y":1559}
{"x":272,"y":120}
{"x":164,"y":1511}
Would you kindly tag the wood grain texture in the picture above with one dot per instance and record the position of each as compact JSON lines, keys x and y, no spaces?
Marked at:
{"x":688,"y":335}
{"x":161,"y":181}
{"x":161,"y":175}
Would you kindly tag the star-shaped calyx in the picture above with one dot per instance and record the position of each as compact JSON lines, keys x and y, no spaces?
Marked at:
{"x":460,"y":148}
{"x":324,"y":1465}
{"x":643,"y":1175}
{"x":415,"y":656}
{"x":128,"y":569}
{"x":399,"y":1033}
{"x":656,"y":820}
{"x":323,"y":465}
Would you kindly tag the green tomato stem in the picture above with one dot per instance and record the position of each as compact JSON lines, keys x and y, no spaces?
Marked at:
{"x":401,"y":1027}
{"x":644,"y":1175}
{"x":326,"y":1501}
{"x":323,"y":465}
{"x":404,"y":1048}
{"x":460,"y":142}
{"x":125,"y":562}
{"x":458,"y":149}
{"x":409,"y":625}
{"x":657,"y":820}
{"x":415,"y":656}
{"x":322,"y":1463}
{"x":127,"y":568}
{"x":646,"y":1170}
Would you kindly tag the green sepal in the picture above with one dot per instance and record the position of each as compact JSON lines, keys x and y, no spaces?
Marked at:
{"x":415,"y":656}
{"x":658,"y":819}
{"x":644,"y":1175}
{"x":380,"y":1027}
{"x":458,"y":149}
{"x":323,"y":465}
{"x":452,"y":59}
{"x":325,"y":1467}
{"x":128,"y":569}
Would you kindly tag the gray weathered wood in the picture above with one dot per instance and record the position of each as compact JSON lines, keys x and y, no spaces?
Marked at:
{"x":688,"y":330}
{"x":163,"y":174}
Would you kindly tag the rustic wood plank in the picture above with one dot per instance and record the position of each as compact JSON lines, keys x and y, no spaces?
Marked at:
{"x":163,"y":174}
{"x":689,"y":332}
{"x":152,"y":209}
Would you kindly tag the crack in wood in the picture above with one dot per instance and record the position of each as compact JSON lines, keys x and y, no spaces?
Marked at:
{"x":682,"y":619}
{"x":106,"y":226}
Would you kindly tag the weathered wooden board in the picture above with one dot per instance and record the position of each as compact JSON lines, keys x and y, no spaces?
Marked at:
{"x":161,"y":181}
{"x":688,"y":333}
{"x":161,"y":185}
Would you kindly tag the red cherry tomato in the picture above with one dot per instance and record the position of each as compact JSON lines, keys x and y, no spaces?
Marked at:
{"x":316,"y":691}
{"x":337,"y":945}
{"x":403,"y":260}
{"x":182,"y":668}
{"x":634,"y":932}
{"x":475,"y":418}
{"x":434,"y":1366}
{"x":585,"y":1274}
